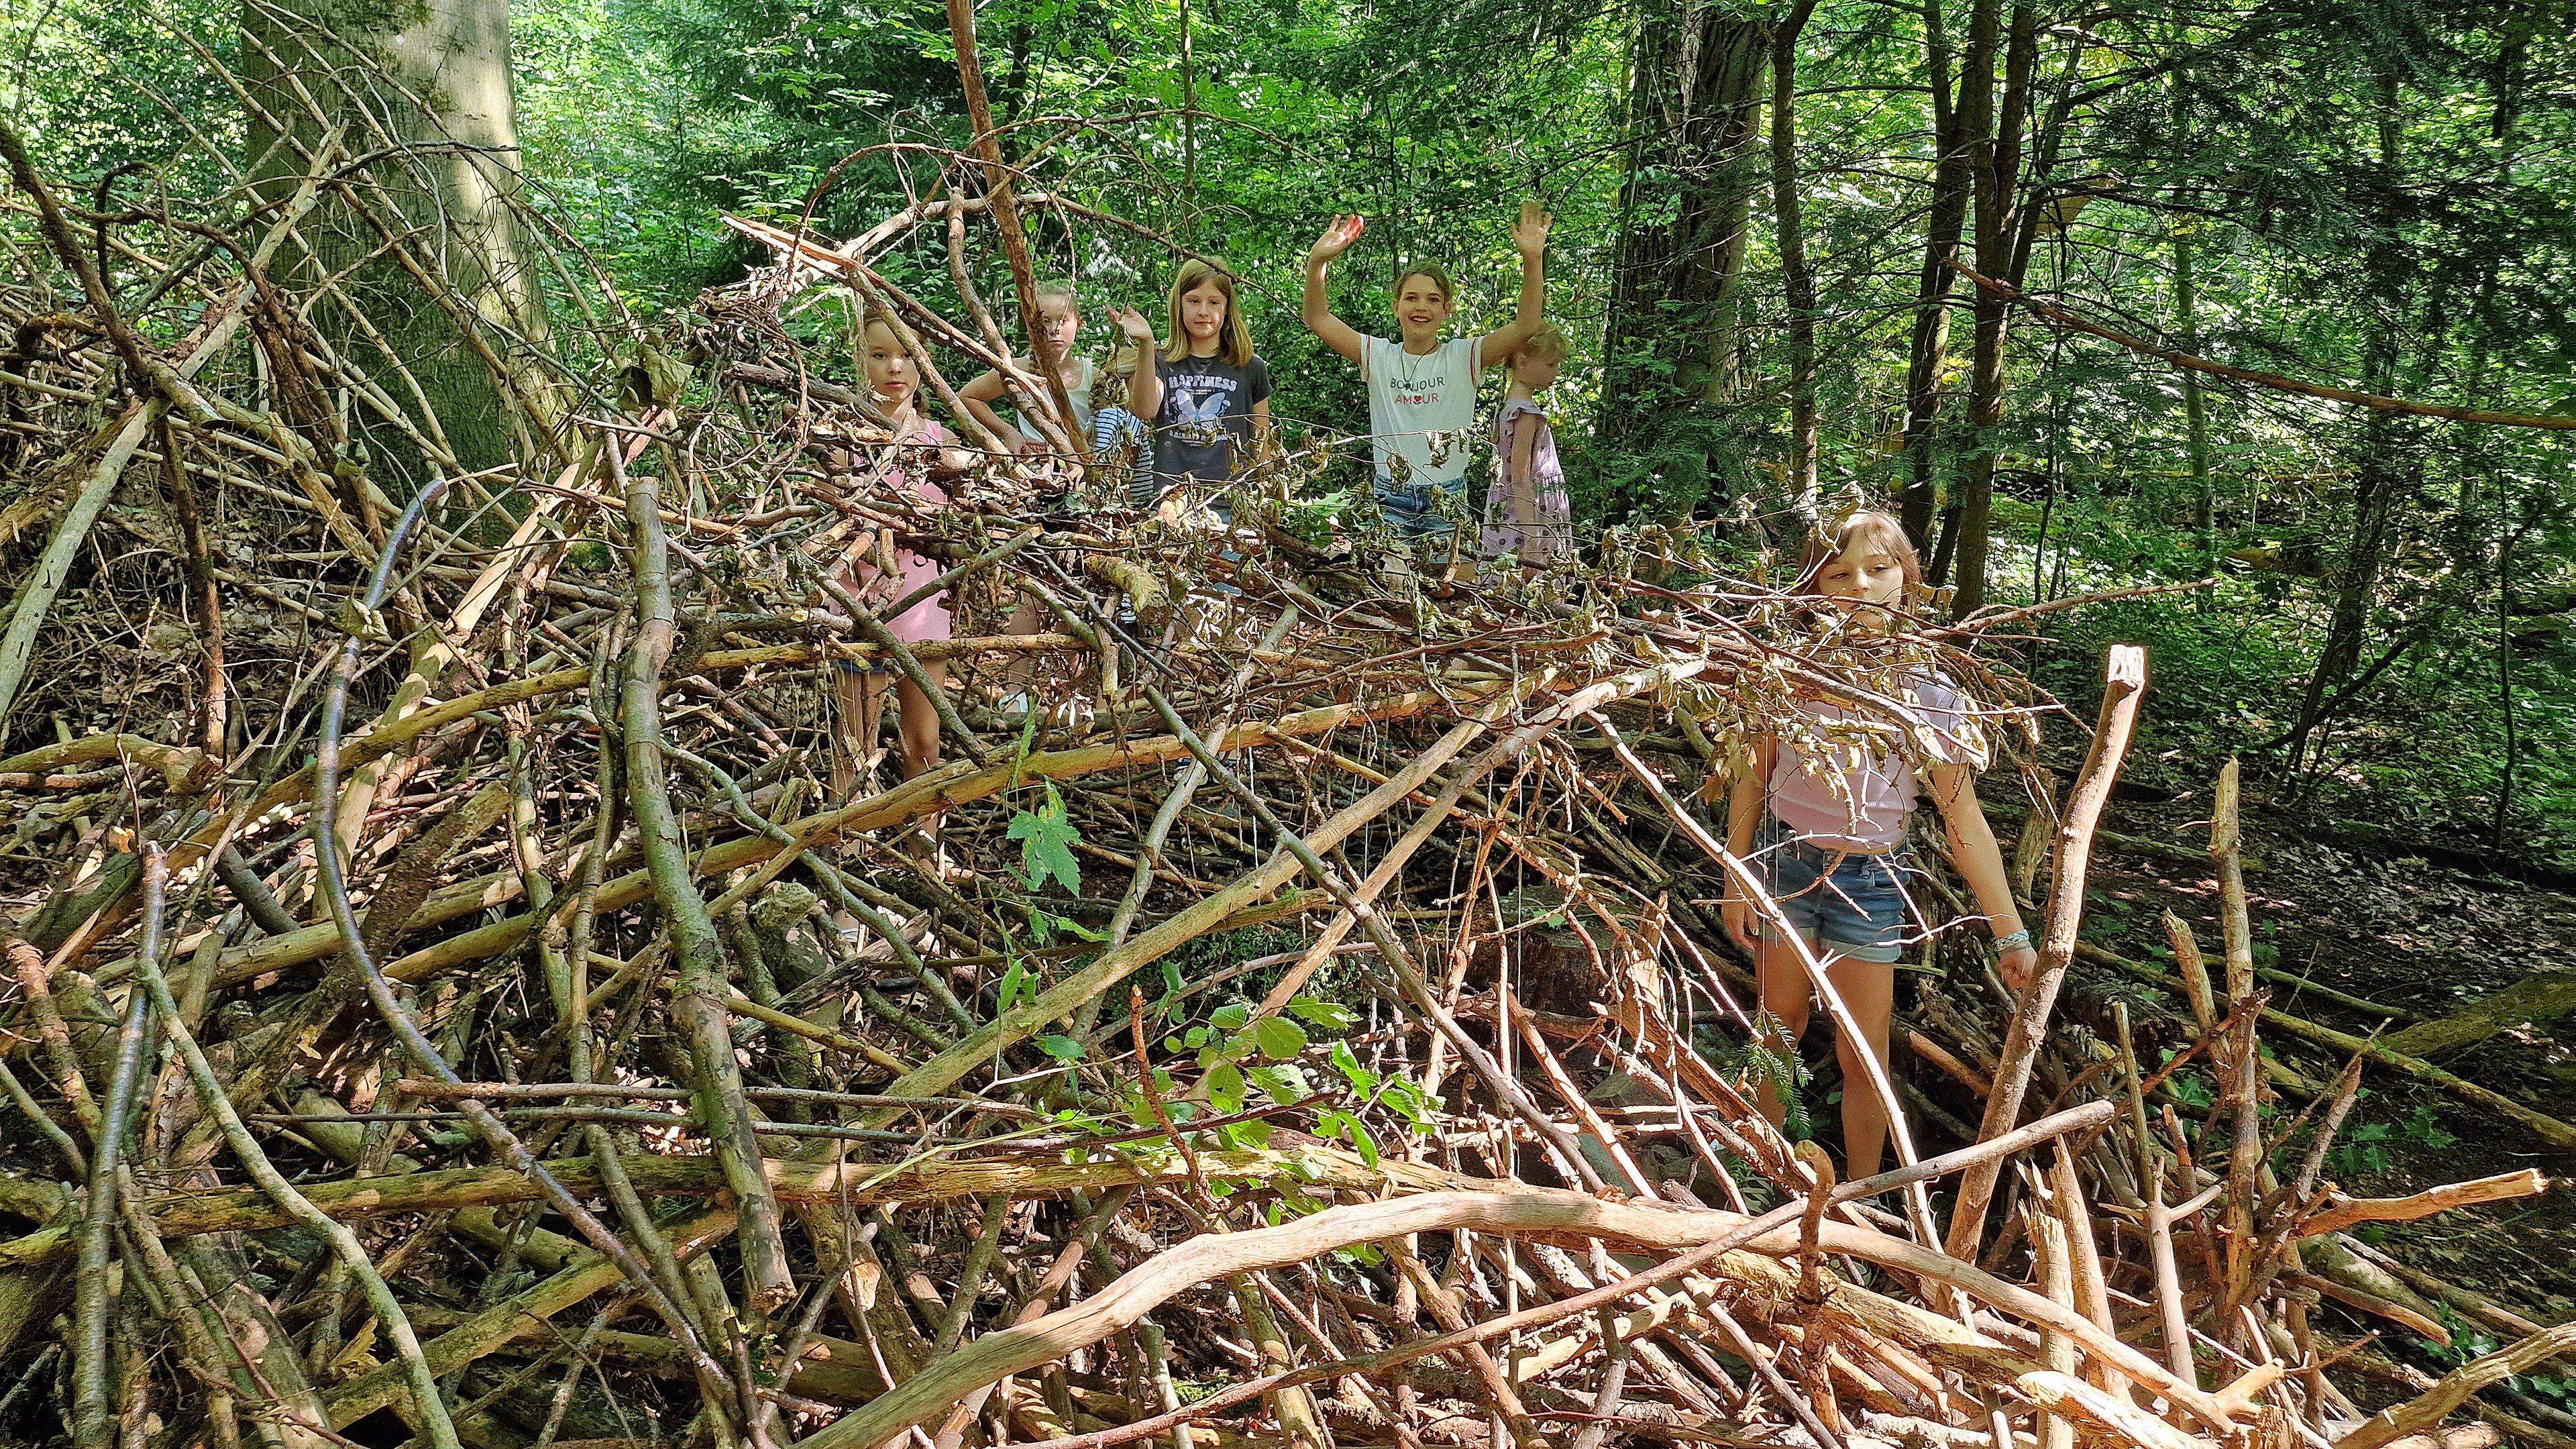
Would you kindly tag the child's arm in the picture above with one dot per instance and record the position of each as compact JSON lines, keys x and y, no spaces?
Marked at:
{"x":1145,"y":389}
{"x":1981,"y":864}
{"x":1261,"y":429}
{"x":1529,"y":235}
{"x":979,"y":397}
{"x":1337,"y":334}
{"x":1744,"y":807}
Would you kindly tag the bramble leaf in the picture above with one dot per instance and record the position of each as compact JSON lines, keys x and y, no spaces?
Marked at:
{"x":1279,"y":1038}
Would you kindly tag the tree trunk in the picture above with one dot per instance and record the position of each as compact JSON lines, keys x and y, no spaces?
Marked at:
{"x":1929,"y":352}
{"x":1797,"y":278}
{"x":431,"y":77}
{"x":1699,"y":81}
{"x":1993,"y":126}
{"x":2195,"y":406}
{"x":2391,"y":459}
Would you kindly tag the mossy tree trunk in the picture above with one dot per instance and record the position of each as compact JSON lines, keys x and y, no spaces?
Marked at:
{"x":424,"y":88}
{"x":1699,"y":90}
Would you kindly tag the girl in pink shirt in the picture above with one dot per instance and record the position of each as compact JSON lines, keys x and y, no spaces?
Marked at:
{"x":1827,"y":837}
{"x":921,"y":445}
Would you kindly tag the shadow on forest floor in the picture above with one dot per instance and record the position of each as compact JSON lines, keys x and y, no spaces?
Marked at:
{"x":2425,"y":939}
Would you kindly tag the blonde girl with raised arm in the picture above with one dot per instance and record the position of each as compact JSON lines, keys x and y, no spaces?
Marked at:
{"x":1207,"y":396}
{"x":1060,"y":322}
{"x":1827,"y":835}
{"x":1421,"y":388}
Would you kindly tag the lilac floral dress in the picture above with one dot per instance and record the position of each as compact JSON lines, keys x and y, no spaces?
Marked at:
{"x":1548,"y":536}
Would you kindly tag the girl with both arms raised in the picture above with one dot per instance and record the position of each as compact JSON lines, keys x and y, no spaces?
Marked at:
{"x":1826,"y":833}
{"x":1421,"y":386}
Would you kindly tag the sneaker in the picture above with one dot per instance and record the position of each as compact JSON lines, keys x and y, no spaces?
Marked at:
{"x":1013,"y":707}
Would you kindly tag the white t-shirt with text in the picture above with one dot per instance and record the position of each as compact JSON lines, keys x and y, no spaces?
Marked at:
{"x":1411,"y":397}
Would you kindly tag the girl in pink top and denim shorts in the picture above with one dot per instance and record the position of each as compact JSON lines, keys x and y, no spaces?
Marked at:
{"x":1827,"y":837}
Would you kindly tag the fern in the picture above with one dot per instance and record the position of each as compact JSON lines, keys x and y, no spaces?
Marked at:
{"x":1782,"y":1072}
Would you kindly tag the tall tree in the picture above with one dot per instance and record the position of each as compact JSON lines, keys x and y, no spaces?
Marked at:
{"x":1928,"y":352}
{"x":423,"y":89}
{"x":1699,"y":79}
{"x":1797,"y":277}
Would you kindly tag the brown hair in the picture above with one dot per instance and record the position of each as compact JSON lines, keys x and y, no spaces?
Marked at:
{"x":1439,"y":276}
{"x":1234,"y":339}
{"x":1870,"y":527}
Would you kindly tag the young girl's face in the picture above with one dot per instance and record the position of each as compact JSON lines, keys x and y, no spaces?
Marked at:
{"x":1203,"y":313}
{"x":1538,"y":374}
{"x":1060,"y":322}
{"x":1865,"y":573}
{"x":890,"y":373}
{"x":1419,"y":306}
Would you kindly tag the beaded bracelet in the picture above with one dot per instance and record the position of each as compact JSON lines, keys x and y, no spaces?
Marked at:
{"x":2016,"y":939}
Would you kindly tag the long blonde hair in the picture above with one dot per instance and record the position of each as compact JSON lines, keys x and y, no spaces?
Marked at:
{"x":1870,"y":527}
{"x":1234,"y":339}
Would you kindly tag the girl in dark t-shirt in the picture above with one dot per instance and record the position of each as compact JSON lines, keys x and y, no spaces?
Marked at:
{"x":1208,"y":395}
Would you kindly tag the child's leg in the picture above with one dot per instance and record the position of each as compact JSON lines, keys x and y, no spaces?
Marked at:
{"x":920,"y":723}
{"x":1868,"y":989}
{"x":856,"y":695}
{"x":1785,"y":998}
{"x":1021,"y":666}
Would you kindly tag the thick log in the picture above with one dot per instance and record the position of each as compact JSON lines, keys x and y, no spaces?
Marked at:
{"x":2536,"y":1000}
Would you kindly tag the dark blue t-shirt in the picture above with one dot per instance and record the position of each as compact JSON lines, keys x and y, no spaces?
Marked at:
{"x":1204,"y":429}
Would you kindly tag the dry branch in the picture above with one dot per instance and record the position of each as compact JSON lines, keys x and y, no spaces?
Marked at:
{"x":491,"y":1020}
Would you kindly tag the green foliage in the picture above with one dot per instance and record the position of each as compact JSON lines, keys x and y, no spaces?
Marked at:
{"x":1046,"y":837}
{"x":1783,"y":1073}
{"x":2370,"y":195}
{"x":1238,"y":1056}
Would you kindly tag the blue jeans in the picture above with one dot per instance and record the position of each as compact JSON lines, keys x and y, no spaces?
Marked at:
{"x":1412,"y":509}
{"x":1848,"y":905}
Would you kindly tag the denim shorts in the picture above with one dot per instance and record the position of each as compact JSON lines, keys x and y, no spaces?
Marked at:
{"x":1849,"y":905}
{"x":1413,"y":509}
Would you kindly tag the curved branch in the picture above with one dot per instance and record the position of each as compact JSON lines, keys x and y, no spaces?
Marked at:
{"x":2374,"y":401}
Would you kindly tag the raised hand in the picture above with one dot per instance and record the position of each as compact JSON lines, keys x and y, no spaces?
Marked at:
{"x":1529,"y":234}
{"x":1336,"y":239}
{"x":1133,"y":323}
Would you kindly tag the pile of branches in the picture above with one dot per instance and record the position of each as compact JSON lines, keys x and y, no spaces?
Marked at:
{"x":475,"y":1018}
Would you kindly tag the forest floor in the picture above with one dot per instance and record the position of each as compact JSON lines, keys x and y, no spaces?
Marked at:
{"x":2406,"y":933}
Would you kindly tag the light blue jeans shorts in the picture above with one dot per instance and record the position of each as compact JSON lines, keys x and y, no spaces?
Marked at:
{"x":1849,"y":905}
{"x":1413,"y":509}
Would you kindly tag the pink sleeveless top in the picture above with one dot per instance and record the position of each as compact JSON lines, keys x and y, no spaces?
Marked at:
{"x":928,"y":619}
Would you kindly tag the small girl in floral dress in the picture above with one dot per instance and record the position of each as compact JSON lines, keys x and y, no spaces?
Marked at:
{"x":1526,"y":514}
